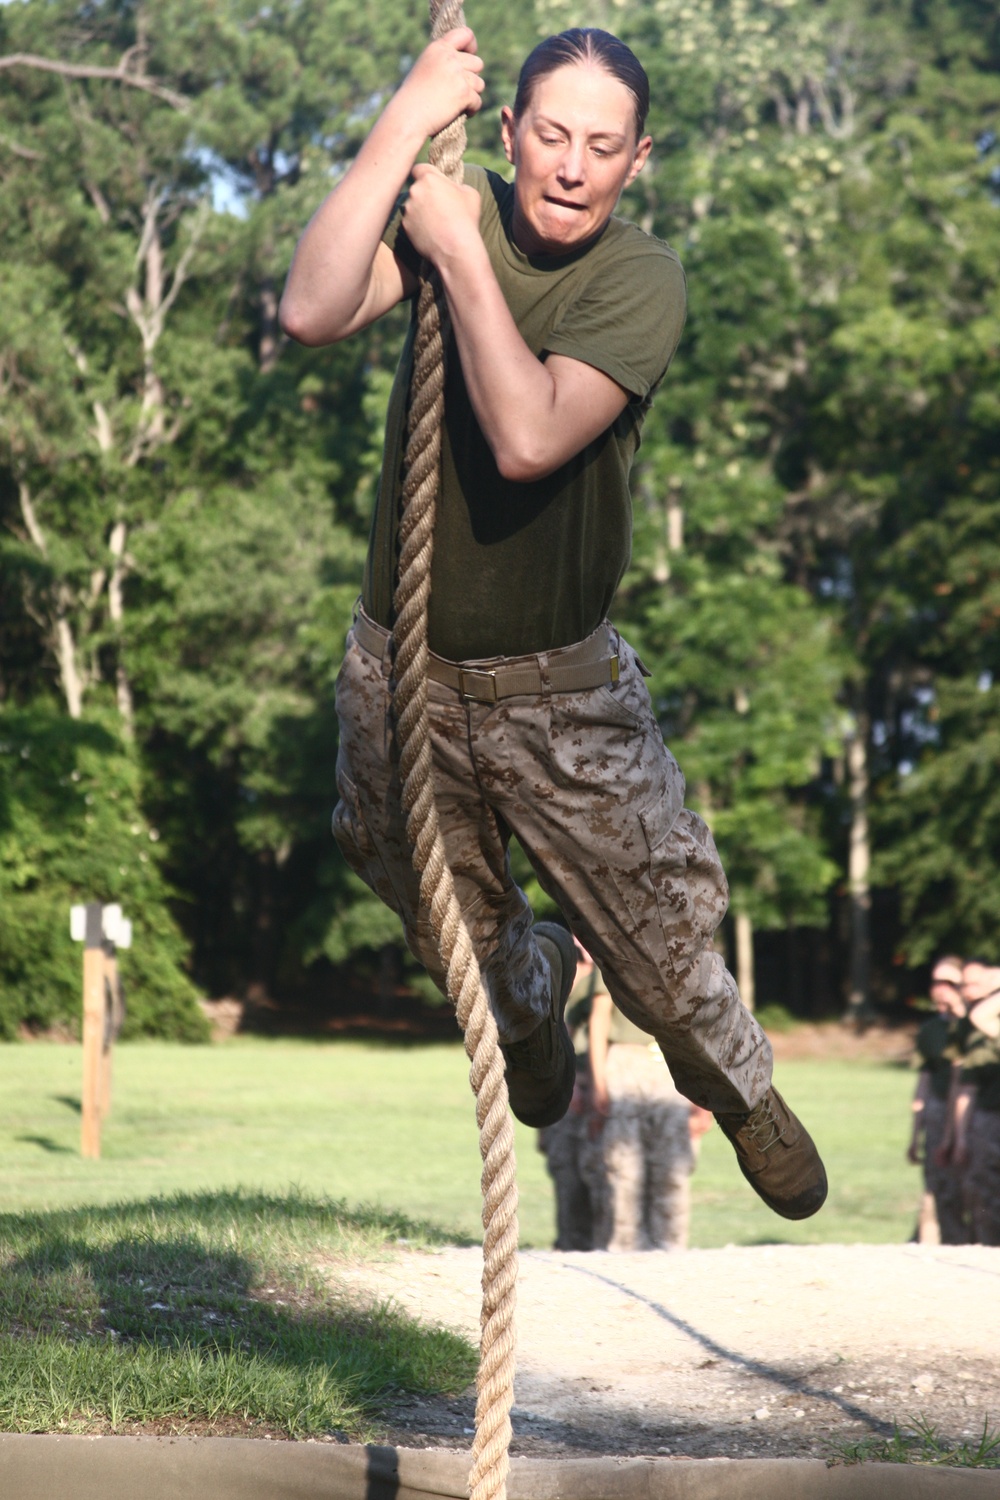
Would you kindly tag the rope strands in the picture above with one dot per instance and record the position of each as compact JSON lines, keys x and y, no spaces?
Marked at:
{"x":495,"y":1378}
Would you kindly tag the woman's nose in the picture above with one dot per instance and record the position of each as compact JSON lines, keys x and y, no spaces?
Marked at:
{"x":571,"y":165}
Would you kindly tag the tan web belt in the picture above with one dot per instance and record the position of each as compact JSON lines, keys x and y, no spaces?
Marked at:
{"x":569,"y":669}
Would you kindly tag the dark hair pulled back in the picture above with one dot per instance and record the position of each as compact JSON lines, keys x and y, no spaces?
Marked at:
{"x":585,"y":44}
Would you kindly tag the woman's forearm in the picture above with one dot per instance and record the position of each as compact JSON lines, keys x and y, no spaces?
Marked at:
{"x":533,"y":421}
{"x":963,"y":1108}
{"x":985,"y":1015}
{"x":535,"y":414}
{"x":342,"y":276}
{"x":598,"y":1041}
{"x":333,"y":269}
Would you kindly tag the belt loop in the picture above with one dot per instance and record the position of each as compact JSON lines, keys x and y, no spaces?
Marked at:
{"x":543,"y":673}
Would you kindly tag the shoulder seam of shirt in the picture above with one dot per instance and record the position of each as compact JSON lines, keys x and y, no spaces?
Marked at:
{"x":639,"y":248}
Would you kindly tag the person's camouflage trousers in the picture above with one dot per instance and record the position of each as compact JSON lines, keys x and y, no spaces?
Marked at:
{"x":586,"y":784}
{"x":946,"y":1184}
{"x":562,"y":1144}
{"x":982,"y":1178}
{"x":638,"y":1167}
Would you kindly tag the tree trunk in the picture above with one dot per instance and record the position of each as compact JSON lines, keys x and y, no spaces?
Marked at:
{"x":675,"y":524}
{"x":270,"y":332}
{"x":859,"y":865}
{"x":116,"y":609}
{"x":744,"y":960}
{"x":794,"y":979}
{"x":71,"y":679}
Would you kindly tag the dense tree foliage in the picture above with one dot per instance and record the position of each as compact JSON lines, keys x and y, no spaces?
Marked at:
{"x":184,"y":495}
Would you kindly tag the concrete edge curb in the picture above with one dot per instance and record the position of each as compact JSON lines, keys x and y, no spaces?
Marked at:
{"x":38,"y":1467}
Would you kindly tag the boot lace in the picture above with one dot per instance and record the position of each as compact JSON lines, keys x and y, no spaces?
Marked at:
{"x":762,"y":1126}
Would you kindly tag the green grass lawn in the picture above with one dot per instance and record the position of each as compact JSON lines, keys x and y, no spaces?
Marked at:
{"x":188,"y":1280}
{"x":394,"y":1126}
{"x":214,"y":1313}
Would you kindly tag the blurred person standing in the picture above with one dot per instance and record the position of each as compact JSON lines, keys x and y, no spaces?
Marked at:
{"x":640,"y":1148}
{"x":976,"y":1130}
{"x":562,"y":1144}
{"x":943,"y":1177}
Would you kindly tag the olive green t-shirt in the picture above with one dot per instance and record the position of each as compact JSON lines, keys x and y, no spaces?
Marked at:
{"x":980,"y":1058}
{"x":578,"y":1012}
{"x":933,"y":1039}
{"x":522,"y":568}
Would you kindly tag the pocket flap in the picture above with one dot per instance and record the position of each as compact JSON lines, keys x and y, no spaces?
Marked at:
{"x":659,"y":817}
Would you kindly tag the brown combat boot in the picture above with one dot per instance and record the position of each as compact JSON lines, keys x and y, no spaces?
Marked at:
{"x":777,"y":1157}
{"x":541,"y":1068}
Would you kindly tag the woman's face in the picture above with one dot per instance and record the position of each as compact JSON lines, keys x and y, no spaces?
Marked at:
{"x":574,"y":150}
{"x":946,"y":989}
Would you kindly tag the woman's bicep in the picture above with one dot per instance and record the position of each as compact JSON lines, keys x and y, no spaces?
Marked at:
{"x":586,"y":402}
{"x":316,"y":316}
{"x":552,"y":426}
{"x":390,"y":283}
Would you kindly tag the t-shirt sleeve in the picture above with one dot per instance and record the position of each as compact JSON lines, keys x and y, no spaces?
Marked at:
{"x":397,"y":239}
{"x":628,"y":319}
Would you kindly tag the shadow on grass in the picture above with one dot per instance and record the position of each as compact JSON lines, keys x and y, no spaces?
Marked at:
{"x":367,"y":1224}
{"x":209,"y":1309}
{"x":46,"y":1143}
{"x":71,"y":1101}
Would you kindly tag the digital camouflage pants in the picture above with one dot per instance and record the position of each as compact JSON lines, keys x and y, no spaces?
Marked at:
{"x":638,"y":1167}
{"x":562,"y":1145}
{"x":946,"y":1184}
{"x":584,"y":781}
{"x":982,"y":1178}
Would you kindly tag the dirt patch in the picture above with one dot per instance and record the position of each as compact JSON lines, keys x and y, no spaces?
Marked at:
{"x":404,"y":1017}
{"x":778,"y":1351}
{"x":834,"y":1039}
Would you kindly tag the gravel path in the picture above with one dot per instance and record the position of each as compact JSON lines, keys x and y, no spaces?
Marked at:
{"x":772,"y":1350}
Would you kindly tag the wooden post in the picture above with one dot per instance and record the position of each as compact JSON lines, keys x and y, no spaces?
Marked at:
{"x":744,"y":960}
{"x":111,"y":1024}
{"x":93,"y":1032}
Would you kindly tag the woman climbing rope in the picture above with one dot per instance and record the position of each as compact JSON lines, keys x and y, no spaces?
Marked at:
{"x":563,"y":320}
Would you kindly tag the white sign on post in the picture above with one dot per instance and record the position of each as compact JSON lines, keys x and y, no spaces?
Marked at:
{"x":115,"y":928}
{"x":105,"y":931}
{"x":111,"y":919}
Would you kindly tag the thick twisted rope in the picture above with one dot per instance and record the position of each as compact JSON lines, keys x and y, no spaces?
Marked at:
{"x":495,"y":1378}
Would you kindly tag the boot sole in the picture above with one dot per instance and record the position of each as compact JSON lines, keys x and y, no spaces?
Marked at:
{"x":556,"y":1107}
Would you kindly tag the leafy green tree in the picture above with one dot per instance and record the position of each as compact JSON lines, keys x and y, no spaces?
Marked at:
{"x":858,"y":148}
{"x":900,"y":465}
{"x":72,"y":829}
{"x":188,"y":493}
{"x":184,"y":496}
{"x":746,"y":670}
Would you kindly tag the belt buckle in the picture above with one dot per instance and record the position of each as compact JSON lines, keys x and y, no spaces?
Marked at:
{"x":467,"y":694}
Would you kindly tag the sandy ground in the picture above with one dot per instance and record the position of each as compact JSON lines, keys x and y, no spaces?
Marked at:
{"x":781,"y":1350}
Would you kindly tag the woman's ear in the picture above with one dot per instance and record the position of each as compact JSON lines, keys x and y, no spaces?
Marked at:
{"x":508,"y":131}
{"x":640,"y":158}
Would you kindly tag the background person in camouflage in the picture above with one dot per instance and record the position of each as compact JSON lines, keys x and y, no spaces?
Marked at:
{"x":640,"y":1149}
{"x":564,"y":319}
{"x":943,"y":1177}
{"x":976,"y":1144}
{"x":562,"y":1143}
